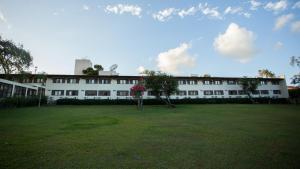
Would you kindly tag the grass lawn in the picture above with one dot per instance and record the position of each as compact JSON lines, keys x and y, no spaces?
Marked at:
{"x":189,"y":136}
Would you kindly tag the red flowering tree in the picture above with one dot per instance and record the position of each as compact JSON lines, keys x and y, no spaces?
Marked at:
{"x":137,"y":92}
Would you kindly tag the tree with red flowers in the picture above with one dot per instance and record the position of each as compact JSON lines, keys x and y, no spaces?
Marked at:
{"x":137,"y":92}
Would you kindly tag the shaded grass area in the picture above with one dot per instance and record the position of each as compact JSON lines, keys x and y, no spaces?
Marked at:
{"x":189,"y":136}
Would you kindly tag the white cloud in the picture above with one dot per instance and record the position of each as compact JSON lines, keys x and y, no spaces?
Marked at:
{"x":278,"y":45}
{"x":296,"y":5}
{"x":255,"y":4}
{"x":295,"y":27}
{"x":141,"y":69}
{"x":85,"y":7}
{"x":236,"y":10}
{"x":237,"y":43}
{"x":134,"y":10}
{"x":2,"y":17}
{"x":276,"y":6}
{"x":164,"y":14}
{"x":282,"y":21}
{"x":190,"y":11}
{"x":211,"y":12}
{"x":175,"y":59}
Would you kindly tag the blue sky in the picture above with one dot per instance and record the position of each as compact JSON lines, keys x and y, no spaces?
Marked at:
{"x":217,"y":37}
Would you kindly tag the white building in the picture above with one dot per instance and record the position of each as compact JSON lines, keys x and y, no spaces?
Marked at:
{"x":118,"y":87}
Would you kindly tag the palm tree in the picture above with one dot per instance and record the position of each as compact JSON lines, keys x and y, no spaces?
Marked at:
{"x":265,"y":73}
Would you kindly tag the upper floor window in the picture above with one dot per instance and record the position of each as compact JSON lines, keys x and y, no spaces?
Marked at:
{"x":181,"y":82}
{"x":208,"y":92}
{"x":193,"y":92}
{"x":91,"y":81}
{"x":104,"y":81}
{"x":207,"y":82}
{"x":72,"y":80}
{"x":192,"y":82}
{"x":231,"y":82}
{"x":72,"y":93}
{"x":57,"y":92}
{"x":219,"y":92}
{"x":121,"y":81}
{"x":58,"y":80}
{"x":263,"y":82}
{"x":218,"y":82}
{"x":275,"y":82}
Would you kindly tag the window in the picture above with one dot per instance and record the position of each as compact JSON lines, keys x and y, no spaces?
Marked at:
{"x":73,"y":81}
{"x":104,"y":93}
{"x":72,"y":93}
{"x":232,"y":92}
{"x":121,"y":81}
{"x":181,"y":82}
{"x":193,"y":92}
{"x":208,"y":92}
{"x":19,"y":91}
{"x":263,"y":82}
{"x":218,"y":82}
{"x":122,"y":93}
{"x":264,"y":92}
{"x":5,"y":90}
{"x":31,"y":92}
{"x":91,"y":93}
{"x":276,"y":92}
{"x":91,"y":81}
{"x":151,"y":93}
{"x":104,"y":81}
{"x":58,"y":80}
{"x":231,"y":82}
{"x":275,"y":82}
{"x":219,"y":92}
{"x":255,"y":92}
{"x":181,"y":93}
{"x":208,"y":82}
{"x":57,"y":92}
{"x":242,"y":92}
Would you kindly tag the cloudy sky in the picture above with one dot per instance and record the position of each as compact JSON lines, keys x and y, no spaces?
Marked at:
{"x":217,"y":37}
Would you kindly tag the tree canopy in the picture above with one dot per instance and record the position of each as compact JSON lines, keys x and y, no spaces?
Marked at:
{"x":295,"y":61}
{"x":161,"y":85}
{"x":266,"y":73}
{"x":13,"y":58}
{"x":93,"y":71}
{"x":249,"y":86}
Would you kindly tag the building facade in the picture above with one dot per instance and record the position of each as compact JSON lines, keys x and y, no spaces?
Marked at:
{"x":118,"y":87}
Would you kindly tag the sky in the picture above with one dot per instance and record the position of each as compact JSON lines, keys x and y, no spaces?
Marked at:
{"x":216,"y":37}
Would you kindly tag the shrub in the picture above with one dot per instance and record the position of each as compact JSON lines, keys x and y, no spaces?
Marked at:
{"x":21,"y":101}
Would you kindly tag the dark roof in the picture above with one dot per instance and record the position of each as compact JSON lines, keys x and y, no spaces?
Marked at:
{"x":137,"y":77}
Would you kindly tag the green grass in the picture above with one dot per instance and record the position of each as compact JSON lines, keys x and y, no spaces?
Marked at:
{"x":189,"y":136}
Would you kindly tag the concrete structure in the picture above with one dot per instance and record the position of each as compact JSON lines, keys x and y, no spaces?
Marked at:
{"x":80,"y":65}
{"x":118,"y":87}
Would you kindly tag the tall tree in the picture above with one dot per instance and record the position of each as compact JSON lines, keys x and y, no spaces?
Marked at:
{"x":266,"y":73}
{"x":98,"y":67}
{"x":161,"y":85}
{"x":295,"y":61}
{"x":249,"y":86}
{"x":13,"y":58}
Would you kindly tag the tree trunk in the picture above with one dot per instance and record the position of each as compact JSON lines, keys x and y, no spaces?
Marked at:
{"x":251,"y":99}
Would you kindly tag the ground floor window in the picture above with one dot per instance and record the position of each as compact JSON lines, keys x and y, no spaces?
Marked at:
{"x":181,"y":93}
{"x":208,"y":92}
{"x":276,"y":92}
{"x":232,"y":92}
{"x":103,"y":93}
{"x":219,"y":92}
{"x":20,"y":91}
{"x":193,"y":92}
{"x":91,"y":93}
{"x":264,"y":92}
{"x":255,"y":92}
{"x":5,"y":90}
{"x":242,"y":92}
{"x":72,"y":93}
{"x":31,"y":92}
{"x":57,"y":92}
{"x":122,"y":93}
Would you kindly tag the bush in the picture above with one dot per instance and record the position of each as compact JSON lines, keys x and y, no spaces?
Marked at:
{"x":21,"y":101}
{"x":295,"y":93}
{"x":174,"y":101}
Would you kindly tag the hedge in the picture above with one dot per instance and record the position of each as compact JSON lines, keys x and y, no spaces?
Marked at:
{"x":21,"y":101}
{"x":174,"y":101}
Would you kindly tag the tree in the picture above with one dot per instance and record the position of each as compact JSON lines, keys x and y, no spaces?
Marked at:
{"x":13,"y":58}
{"x":98,"y":67}
{"x":265,"y":73}
{"x":161,"y":84}
{"x":295,"y":61}
{"x":90,"y":71}
{"x":249,"y":86}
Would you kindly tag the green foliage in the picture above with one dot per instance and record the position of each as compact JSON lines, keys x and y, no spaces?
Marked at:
{"x":266,"y":73}
{"x":249,"y":85}
{"x":21,"y":101}
{"x":161,"y":84}
{"x":13,"y":58}
{"x":91,"y":71}
{"x":294,"y":93}
{"x":98,"y":67}
{"x":295,"y":61}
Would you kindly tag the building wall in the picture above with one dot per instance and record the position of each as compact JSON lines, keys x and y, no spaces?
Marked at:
{"x":82,"y":87}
